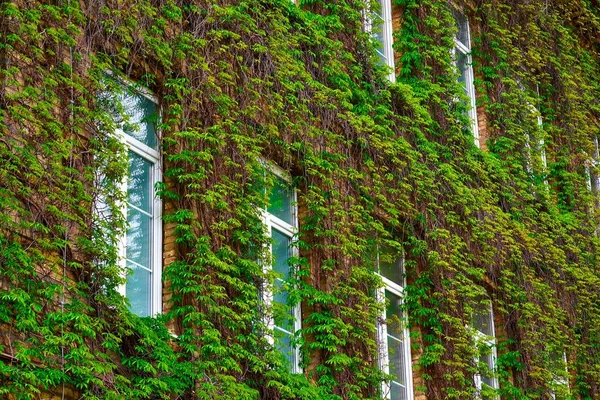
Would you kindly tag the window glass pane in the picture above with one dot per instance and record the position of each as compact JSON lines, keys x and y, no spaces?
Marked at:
{"x":281,"y":254}
{"x":378,"y":21}
{"x":139,"y":185}
{"x":139,"y":237}
{"x":398,"y":392}
{"x":482,"y":319}
{"x":391,"y":265}
{"x":138,"y":290}
{"x":142,"y":113}
{"x":382,"y":57}
{"x":593,"y":174}
{"x":284,"y":320}
{"x":486,"y":377}
{"x":285,"y":346}
{"x":462,"y":64}
{"x":281,"y":201}
{"x":462,"y":25}
{"x":397,"y":360}
{"x":280,"y":296}
{"x":397,"y":363}
{"x":393,"y":314}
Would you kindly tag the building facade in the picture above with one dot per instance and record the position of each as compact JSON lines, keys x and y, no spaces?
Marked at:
{"x":299,"y":200}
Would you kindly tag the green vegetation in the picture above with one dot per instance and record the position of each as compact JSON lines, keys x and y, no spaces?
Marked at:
{"x":374,"y":164}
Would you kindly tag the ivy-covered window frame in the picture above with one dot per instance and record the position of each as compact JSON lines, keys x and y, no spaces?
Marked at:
{"x":484,"y":337}
{"x":464,"y":64}
{"x":140,"y":247}
{"x":379,"y":23}
{"x":281,"y":223}
{"x":393,"y":336}
{"x":593,"y":180}
{"x":560,"y":382}
{"x":538,"y":149}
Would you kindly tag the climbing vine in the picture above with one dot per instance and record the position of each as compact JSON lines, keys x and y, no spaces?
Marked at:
{"x":375,"y":164}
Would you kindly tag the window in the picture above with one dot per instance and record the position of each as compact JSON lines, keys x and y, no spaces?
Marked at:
{"x":591,"y":170}
{"x":281,"y":221}
{"x":536,"y":163}
{"x":485,"y":340}
{"x":394,"y":352}
{"x":140,"y":249}
{"x":560,"y":376}
{"x":381,"y":28}
{"x":462,"y":54}
{"x":536,"y":154}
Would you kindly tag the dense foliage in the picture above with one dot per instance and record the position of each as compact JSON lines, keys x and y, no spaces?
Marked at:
{"x":375,"y":163}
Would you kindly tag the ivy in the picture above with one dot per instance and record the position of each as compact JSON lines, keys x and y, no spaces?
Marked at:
{"x":375,"y":163}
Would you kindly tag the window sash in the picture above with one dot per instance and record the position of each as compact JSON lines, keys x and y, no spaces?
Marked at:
{"x":464,"y":49}
{"x":380,"y":26}
{"x":561,"y":382}
{"x":488,"y":339}
{"x":282,"y":334}
{"x":591,"y":171}
{"x":393,"y":389}
{"x":152,"y":304}
{"x":537,"y":151}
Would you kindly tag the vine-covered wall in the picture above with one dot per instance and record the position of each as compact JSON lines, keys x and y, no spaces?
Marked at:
{"x":374,"y":164}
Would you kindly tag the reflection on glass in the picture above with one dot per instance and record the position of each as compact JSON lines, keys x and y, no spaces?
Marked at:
{"x":488,"y":360}
{"x":281,"y":222}
{"x":139,"y":236}
{"x":378,"y":26}
{"x":482,"y":319}
{"x":139,"y":185}
{"x":285,"y":346}
{"x":462,"y":64}
{"x":397,"y":362}
{"x":391,"y":265}
{"x":138,"y":289}
{"x":462,"y":25}
{"x":281,"y":254}
{"x":142,"y":114}
{"x":398,"y":392}
{"x":281,"y":201}
{"x":136,"y":116}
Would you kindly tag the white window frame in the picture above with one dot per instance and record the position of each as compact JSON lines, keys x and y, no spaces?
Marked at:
{"x":382,"y":335}
{"x":593,"y":178}
{"x":490,"y":342}
{"x":593,"y":182}
{"x":387,"y":50}
{"x":561,"y":380}
{"x":289,"y":230}
{"x":153,"y":156}
{"x":540,"y":146}
{"x":465,"y":50}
